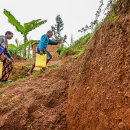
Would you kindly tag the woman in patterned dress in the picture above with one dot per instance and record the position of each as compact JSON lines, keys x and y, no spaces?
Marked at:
{"x":5,"y":56}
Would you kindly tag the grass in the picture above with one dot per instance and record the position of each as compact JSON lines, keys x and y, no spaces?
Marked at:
{"x":76,"y":48}
{"x":2,"y":85}
{"x":53,"y":67}
{"x":113,"y":17}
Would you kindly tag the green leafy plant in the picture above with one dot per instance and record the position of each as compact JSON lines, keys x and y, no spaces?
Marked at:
{"x":16,"y":50}
{"x":12,"y":49}
{"x":25,"y":28}
{"x":77,"y":48}
{"x":112,"y":17}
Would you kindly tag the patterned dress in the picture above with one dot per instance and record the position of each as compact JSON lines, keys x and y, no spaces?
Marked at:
{"x":5,"y":57}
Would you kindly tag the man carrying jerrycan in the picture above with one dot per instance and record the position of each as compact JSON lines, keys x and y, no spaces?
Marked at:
{"x":42,"y":48}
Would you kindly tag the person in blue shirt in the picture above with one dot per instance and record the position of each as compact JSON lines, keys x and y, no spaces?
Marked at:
{"x":43,"y":44}
{"x":42,"y":47}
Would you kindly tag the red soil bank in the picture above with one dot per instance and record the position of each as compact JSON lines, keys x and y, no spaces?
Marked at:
{"x":99,"y":97}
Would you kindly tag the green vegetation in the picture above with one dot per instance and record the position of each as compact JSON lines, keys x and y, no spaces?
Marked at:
{"x":97,"y":27}
{"x":12,"y":49}
{"x":112,"y":17}
{"x":53,"y":67}
{"x":2,"y":85}
{"x":24,"y":29}
{"x":17,"y":50}
{"x":76,"y":48}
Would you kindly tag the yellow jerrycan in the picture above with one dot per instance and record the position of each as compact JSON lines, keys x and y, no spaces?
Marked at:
{"x":41,"y":60}
{"x":1,"y":68}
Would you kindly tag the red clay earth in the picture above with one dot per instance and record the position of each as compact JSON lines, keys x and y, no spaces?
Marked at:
{"x":92,"y":93}
{"x":35,"y":104}
{"x":99,"y":96}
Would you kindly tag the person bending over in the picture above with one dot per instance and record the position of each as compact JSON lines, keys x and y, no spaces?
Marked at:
{"x":5,"y":56}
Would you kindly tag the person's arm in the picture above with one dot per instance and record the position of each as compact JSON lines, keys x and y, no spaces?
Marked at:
{"x":2,"y":45}
{"x":52,"y":42}
{"x":2,"y":41}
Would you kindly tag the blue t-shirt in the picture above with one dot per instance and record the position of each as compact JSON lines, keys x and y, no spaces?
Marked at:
{"x":4,"y":45}
{"x":45,"y":41}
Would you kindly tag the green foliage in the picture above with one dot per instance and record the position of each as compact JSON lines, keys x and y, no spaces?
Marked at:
{"x":52,"y":67}
{"x":112,"y":17}
{"x":24,"y":29}
{"x":14,"y":21}
{"x":97,"y":27}
{"x":15,"y":50}
{"x":12,"y":49}
{"x":23,"y":46}
{"x":76,"y":48}
{"x":27,"y":27}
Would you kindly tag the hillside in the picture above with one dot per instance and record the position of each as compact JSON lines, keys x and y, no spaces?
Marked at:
{"x":99,"y":97}
{"x":89,"y":92}
{"x":35,"y":104}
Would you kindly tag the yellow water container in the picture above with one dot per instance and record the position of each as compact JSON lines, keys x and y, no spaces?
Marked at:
{"x":1,"y":67}
{"x":41,"y":60}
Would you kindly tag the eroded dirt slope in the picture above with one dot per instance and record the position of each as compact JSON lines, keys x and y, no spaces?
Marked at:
{"x":99,"y":99}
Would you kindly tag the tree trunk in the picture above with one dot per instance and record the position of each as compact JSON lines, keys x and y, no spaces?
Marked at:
{"x":24,"y":50}
{"x":29,"y":48}
{"x":20,"y":53}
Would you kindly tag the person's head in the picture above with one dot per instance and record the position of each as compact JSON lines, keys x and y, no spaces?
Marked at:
{"x":9,"y":35}
{"x":49,"y":34}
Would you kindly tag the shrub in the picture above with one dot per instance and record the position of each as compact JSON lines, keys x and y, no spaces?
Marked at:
{"x":76,"y":48}
{"x":12,"y":49}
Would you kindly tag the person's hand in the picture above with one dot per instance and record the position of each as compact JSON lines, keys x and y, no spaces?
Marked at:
{"x":59,"y":41}
{"x":12,"y":59}
{"x":41,"y":53}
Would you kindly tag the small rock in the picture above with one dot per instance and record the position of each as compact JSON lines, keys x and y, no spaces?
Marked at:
{"x":101,"y":68}
{"x":127,"y":94}
{"x":37,"y":114}
{"x":121,"y":125}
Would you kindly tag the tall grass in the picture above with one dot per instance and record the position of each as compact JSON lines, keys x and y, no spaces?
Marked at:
{"x":77,"y":47}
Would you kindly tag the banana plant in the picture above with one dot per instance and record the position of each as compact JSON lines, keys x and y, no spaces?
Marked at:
{"x":25,"y":28}
{"x":14,"y":50}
